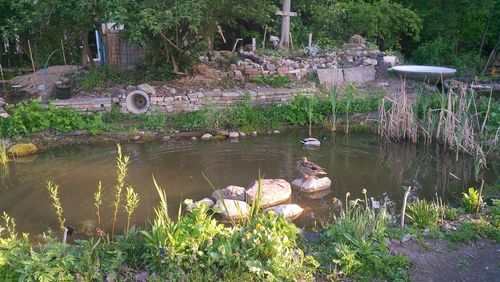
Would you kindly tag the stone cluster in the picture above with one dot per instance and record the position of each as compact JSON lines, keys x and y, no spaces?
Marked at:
{"x":353,"y":55}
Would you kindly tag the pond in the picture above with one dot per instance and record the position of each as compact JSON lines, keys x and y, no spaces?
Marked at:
{"x":353,"y":162}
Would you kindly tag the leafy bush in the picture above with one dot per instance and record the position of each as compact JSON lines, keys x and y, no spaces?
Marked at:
{"x":494,"y":212}
{"x":423,"y":214}
{"x":105,"y":76}
{"x":452,"y":213}
{"x":471,"y":230}
{"x":470,"y":200}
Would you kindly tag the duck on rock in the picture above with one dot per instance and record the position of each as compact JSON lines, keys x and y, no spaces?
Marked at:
{"x":309,"y":169}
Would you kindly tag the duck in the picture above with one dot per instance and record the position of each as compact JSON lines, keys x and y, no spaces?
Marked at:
{"x":310,"y":142}
{"x":309,"y":169}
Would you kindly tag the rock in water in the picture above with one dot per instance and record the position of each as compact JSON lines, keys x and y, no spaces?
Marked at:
{"x":312,"y":184}
{"x":22,"y":150}
{"x":288,"y":211}
{"x":230,"y":193}
{"x":233,"y":209}
{"x":206,"y":136}
{"x":234,"y":135}
{"x":205,"y":201}
{"x":274,"y":192}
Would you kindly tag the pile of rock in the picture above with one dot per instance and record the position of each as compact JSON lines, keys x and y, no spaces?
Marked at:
{"x":234,"y":202}
{"x":352,"y":55}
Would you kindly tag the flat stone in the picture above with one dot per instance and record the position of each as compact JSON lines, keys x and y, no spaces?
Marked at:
{"x":234,"y":135}
{"x":330,"y":77}
{"x":312,"y":185}
{"x":166,"y":138}
{"x":233,"y":209}
{"x":206,"y":136}
{"x":243,"y":134}
{"x":318,"y":194}
{"x":288,"y":211}
{"x":274,"y":192}
{"x":205,"y":201}
{"x":360,"y":74}
{"x":231,"y":193}
{"x":147,"y":88}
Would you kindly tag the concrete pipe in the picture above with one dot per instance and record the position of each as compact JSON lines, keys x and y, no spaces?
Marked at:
{"x":137,"y":102}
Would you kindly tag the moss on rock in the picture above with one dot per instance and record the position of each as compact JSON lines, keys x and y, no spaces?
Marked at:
{"x":22,"y":150}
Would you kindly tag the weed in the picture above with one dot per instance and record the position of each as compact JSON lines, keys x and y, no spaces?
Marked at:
{"x":463,"y":263}
{"x":277,"y":81}
{"x":98,"y":202}
{"x":471,"y":230}
{"x":332,"y":97}
{"x":470,"y":200}
{"x":4,"y":157}
{"x":56,"y":202}
{"x":122,"y":163}
{"x":131,"y":203}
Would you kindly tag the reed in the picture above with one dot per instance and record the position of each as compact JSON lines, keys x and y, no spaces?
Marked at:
{"x":98,"y":202}
{"x":56,"y":202}
{"x":349,"y":97}
{"x":4,"y":157}
{"x":131,"y":203}
{"x":455,"y":124}
{"x":122,"y":163}
{"x":332,"y":97}
{"x":309,"y":104}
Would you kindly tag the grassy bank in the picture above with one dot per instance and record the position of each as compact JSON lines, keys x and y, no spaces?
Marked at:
{"x":195,"y":246}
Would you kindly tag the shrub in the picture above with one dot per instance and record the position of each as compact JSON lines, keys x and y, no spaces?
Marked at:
{"x":276,"y":81}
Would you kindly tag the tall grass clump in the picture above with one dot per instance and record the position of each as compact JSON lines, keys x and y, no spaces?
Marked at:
{"x":122,"y":163}
{"x":309,"y":105}
{"x":423,"y":213}
{"x":349,"y":97}
{"x":98,"y":202}
{"x":4,"y":157}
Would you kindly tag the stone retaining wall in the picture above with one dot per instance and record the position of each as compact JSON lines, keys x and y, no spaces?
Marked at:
{"x":192,"y":101}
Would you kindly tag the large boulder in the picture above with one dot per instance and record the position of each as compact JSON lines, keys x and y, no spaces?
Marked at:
{"x":22,"y":150}
{"x":230,"y":193}
{"x":288,"y":211}
{"x":233,"y":209}
{"x":312,"y":185}
{"x":274,"y":192}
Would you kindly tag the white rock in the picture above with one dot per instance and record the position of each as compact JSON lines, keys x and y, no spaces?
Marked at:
{"x":206,"y":136}
{"x":276,"y":132}
{"x":234,"y":134}
{"x":391,"y":60}
{"x":274,"y":192}
{"x":312,"y":185}
{"x":288,"y":211}
{"x":231,"y":193}
{"x":254,"y":133}
{"x":147,"y":88}
{"x":243,"y":134}
{"x":233,"y":209}
{"x":205,"y":201}
{"x":194,"y":138}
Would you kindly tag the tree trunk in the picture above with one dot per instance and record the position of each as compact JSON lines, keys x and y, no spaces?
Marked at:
{"x":285,"y":26}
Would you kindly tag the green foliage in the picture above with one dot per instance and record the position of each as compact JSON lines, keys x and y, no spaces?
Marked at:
{"x":423,"y":214}
{"x":105,"y":76}
{"x":31,"y":116}
{"x":452,"y":213}
{"x":470,"y":200}
{"x":494,"y":212}
{"x":276,"y":81}
{"x":156,"y":120}
{"x":354,"y":244}
{"x":471,"y":230}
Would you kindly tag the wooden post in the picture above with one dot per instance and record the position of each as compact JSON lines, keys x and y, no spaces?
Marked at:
{"x":285,"y":24}
{"x":310,"y":40}
{"x":480,"y":200}
{"x":32,"y":62}
{"x":254,"y":44}
{"x":64,"y":54}
{"x":264,"y":40}
{"x":403,"y":210}
{"x":3,"y":78}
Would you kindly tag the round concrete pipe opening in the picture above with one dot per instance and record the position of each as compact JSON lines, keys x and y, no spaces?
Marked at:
{"x":137,"y":102}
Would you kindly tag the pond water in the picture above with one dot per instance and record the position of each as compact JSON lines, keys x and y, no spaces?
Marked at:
{"x":352,"y":162}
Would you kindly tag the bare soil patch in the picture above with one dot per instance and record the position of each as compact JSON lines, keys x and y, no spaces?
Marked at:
{"x":436,"y":260}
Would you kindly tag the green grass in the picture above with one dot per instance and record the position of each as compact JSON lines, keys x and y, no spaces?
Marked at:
{"x":277,"y":81}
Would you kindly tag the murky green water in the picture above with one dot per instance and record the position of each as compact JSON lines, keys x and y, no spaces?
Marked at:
{"x":354,"y":162}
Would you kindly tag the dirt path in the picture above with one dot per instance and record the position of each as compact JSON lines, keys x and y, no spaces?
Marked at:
{"x":436,"y":261}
